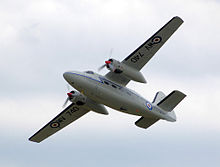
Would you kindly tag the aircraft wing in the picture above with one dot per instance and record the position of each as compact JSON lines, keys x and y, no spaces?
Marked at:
{"x":67,"y":116}
{"x":138,"y":58}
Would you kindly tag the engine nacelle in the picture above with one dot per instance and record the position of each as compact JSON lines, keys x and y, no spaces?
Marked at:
{"x":96,"y":107}
{"x":79,"y":99}
{"x":118,"y":67}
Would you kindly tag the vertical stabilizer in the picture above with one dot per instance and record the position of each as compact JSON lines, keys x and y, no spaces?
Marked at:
{"x":159,"y":96}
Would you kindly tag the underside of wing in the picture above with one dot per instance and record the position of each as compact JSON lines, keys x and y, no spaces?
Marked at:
{"x":137,"y":59}
{"x":118,"y":78}
{"x":67,"y":116}
{"x":146,"y":51}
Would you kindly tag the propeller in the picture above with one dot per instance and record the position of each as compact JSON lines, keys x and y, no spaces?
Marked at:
{"x":65,"y":103}
{"x":68,"y":87}
{"x":107,"y":64}
{"x":70,"y":95}
{"x":103,"y":66}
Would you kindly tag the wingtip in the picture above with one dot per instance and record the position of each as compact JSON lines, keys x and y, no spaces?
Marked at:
{"x":32,"y":140}
{"x":182,"y":94}
{"x":179,"y":18}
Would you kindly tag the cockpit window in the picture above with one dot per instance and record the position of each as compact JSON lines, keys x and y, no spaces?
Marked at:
{"x":89,"y":72}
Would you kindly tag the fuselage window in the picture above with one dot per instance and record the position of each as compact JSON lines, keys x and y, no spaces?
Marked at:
{"x":114,"y":86}
{"x":106,"y":82}
{"x":89,"y":72}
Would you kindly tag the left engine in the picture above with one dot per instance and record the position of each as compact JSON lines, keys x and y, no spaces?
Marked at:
{"x":80,"y":99}
{"x":77,"y":98}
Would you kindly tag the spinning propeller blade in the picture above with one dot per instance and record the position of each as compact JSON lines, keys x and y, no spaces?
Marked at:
{"x":100,"y":68}
{"x":65,"y":103}
{"x":70,"y":95}
{"x":68,"y":87}
{"x":107,"y":64}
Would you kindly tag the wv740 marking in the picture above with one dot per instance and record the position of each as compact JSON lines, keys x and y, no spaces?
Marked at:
{"x":94,"y":91}
{"x":155,"y":40}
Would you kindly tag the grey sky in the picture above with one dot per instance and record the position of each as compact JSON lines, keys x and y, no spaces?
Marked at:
{"x":41,"y":39}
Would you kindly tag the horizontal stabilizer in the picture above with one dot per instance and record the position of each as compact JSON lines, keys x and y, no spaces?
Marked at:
{"x":171,"y":101}
{"x":144,"y":122}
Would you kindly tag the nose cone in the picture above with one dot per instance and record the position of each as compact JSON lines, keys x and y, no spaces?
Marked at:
{"x":71,"y":76}
{"x":66,"y":76}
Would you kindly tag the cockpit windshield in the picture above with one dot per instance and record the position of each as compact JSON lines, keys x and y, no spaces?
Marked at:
{"x":89,"y":72}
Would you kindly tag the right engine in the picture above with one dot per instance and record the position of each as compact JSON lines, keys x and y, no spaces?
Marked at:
{"x":119,"y":67}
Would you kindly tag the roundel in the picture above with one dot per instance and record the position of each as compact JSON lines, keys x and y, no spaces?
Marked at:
{"x":156,"y":39}
{"x":54,"y":125}
{"x":149,"y":106}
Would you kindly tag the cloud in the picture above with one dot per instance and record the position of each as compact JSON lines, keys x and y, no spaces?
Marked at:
{"x":39,"y":40}
{"x":48,"y":37}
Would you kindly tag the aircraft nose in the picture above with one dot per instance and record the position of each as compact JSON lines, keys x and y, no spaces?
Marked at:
{"x":66,"y":76}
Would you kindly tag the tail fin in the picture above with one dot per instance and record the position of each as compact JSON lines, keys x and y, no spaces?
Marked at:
{"x":159,"y":96}
{"x":171,"y":101}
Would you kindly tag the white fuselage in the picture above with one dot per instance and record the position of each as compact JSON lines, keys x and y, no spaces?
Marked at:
{"x":104,"y":91}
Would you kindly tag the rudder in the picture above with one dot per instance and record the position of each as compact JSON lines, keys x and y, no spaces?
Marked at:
{"x":158,"y":97}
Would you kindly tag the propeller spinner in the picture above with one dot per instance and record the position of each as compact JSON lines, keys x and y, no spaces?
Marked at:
{"x":107,"y":64}
{"x":70,"y":96}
